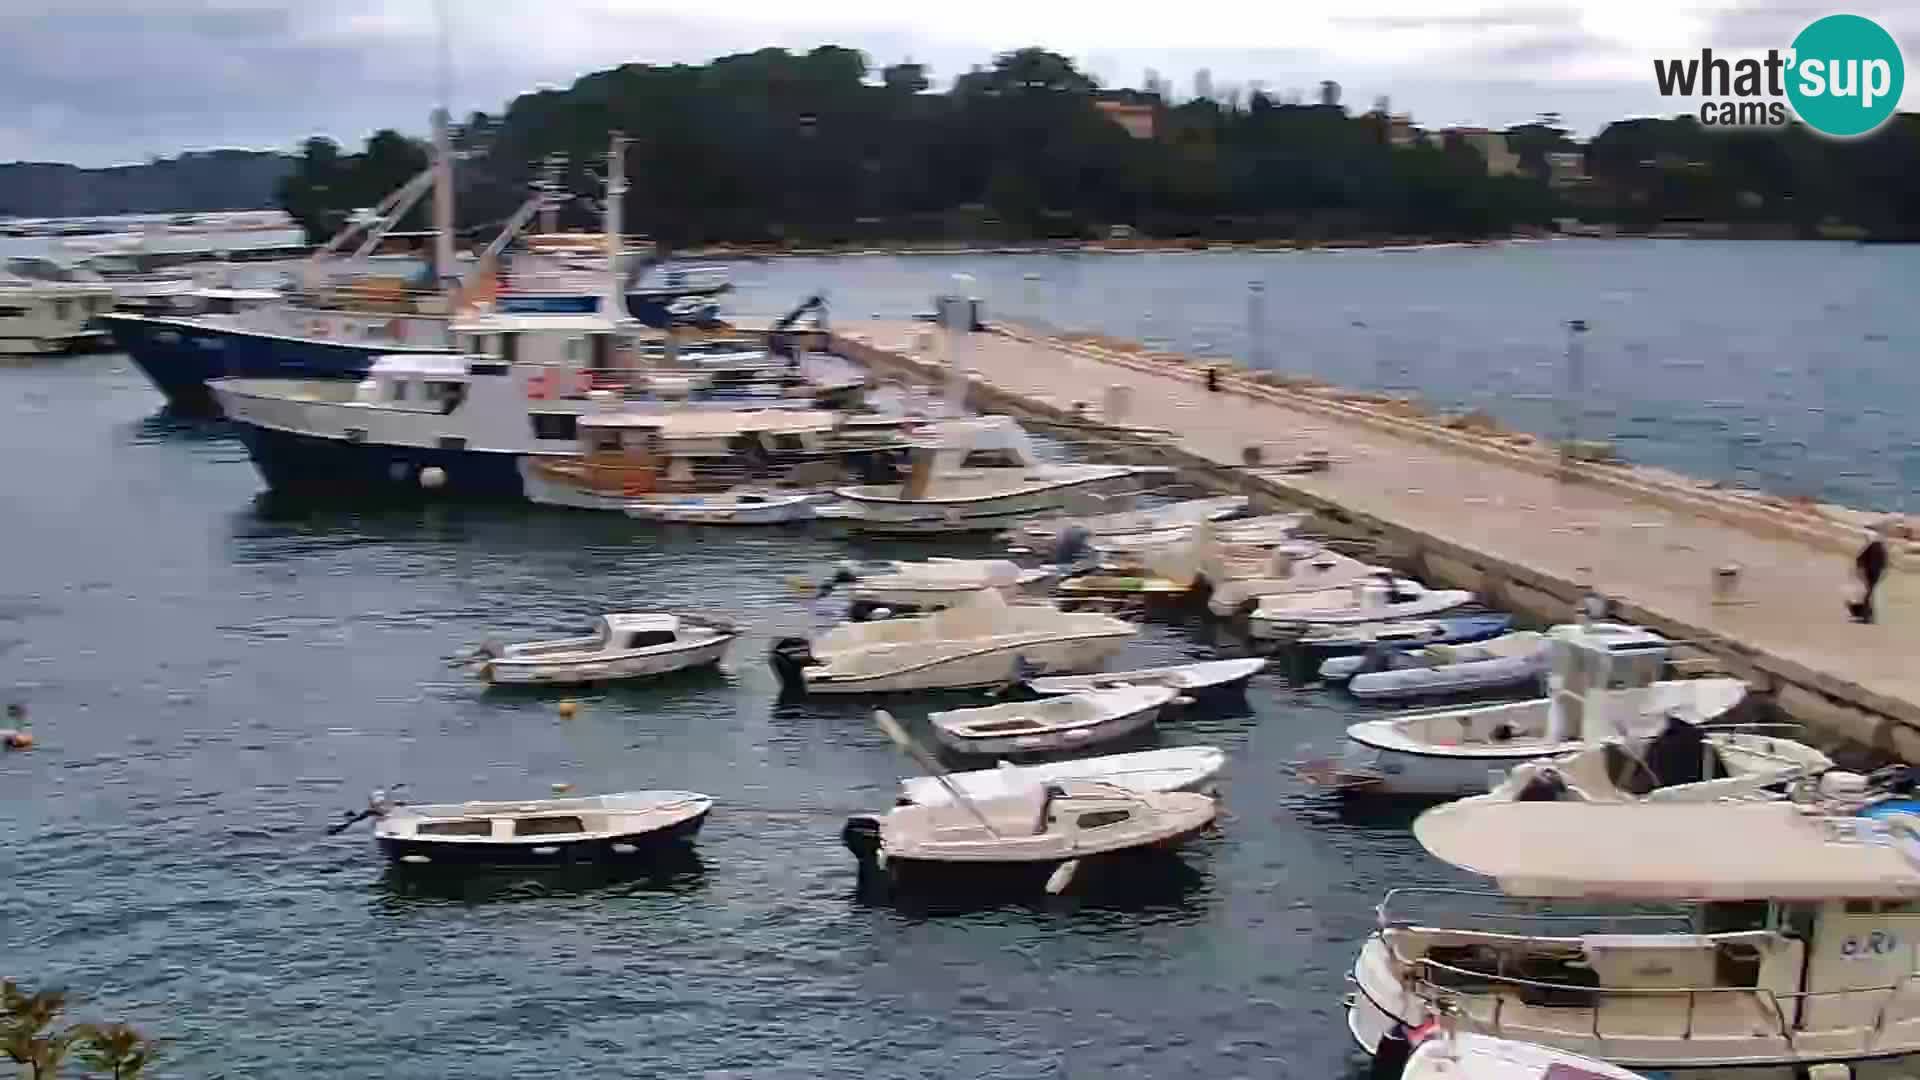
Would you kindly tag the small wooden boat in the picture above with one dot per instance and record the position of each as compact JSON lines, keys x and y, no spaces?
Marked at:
{"x":1384,"y":672}
{"x":1204,"y":677}
{"x":729,"y":508}
{"x":624,"y":646}
{"x":1405,"y":633}
{"x":1040,"y":839}
{"x":1176,"y":768}
{"x":1067,"y":722}
{"x":622,"y":827}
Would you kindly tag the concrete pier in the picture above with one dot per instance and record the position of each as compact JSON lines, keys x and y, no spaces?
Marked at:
{"x":1759,"y":585}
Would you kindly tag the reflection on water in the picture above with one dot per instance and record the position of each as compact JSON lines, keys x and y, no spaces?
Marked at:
{"x":400,"y":886}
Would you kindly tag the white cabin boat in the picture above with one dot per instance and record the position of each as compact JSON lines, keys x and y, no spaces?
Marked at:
{"x":1604,"y":682}
{"x":1377,"y":597}
{"x":982,"y":642}
{"x":1191,"y":680}
{"x":41,"y":317}
{"x":1732,"y":938}
{"x":1176,"y":768}
{"x":1030,"y":841}
{"x":1509,"y":660}
{"x":1067,"y":722}
{"x":978,"y":475}
{"x":626,"y":827}
{"x":623,"y":646}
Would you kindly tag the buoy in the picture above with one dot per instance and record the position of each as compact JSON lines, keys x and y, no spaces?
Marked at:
{"x":568,"y":708}
{"x":561,"y":788}
{"x":14,"y":739}
{"x":433,"y":477}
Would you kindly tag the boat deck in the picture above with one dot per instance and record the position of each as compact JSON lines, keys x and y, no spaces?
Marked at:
{"x":1499,"y":516}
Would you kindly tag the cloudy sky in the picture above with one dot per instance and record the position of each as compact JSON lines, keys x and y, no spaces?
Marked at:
{"x":105,"y":81}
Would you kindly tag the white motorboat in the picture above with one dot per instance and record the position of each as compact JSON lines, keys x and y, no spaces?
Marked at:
{"x":625,"y":827}
{"x":1679,"y":764}
{"x":1271,"y":530}
{"x":1403,"y":633}
{"x":39,"y":317}
{"x":983,"y":641}
{"x":1377,"y":597}
{"x":978,"y":475}
{"x":1228,"y":575}
{"x":1514,"y":659}
{"x":904,"y":587}
{"x":1175,"y":516}
{"x":1742,"y":938}
{"x":729,"y":507}
{"x":1067,"y":722}
{"x":623,"y":646}
{"x":1040,"y":839}
{"x":1604,"y":681}
{"x":1191,"y":680}
{"x":1176,"y":768}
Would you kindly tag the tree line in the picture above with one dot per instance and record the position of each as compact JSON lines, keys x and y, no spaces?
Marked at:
{"x":773,"y":147}
{"x":190,"y":183}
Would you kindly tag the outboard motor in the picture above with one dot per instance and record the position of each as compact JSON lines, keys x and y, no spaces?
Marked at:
{"x":1390,"y":1055}
{"x":861,"y":834}
{"x":842,"y":575}
{"x":789,"y":657}
{"x":1378,"y":658}
{"x":1545,"y":785}
{"x":1675,"y":756}
{"x":1074,"y":543}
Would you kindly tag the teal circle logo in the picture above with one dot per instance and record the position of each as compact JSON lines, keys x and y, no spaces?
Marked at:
{"x":1847,"y":75}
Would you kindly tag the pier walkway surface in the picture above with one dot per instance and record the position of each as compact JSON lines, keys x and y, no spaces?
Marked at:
{"x":1506,"y":517}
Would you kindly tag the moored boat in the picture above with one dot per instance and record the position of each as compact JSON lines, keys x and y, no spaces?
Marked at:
{"x":1174,"y":768}
{"x":1065,"y":722}
{"x":1384,"y":672}
{"x":623,"y":646}
{"x":1404,"y":633}
{"x":624,"y":827}
{"x":1203,"y":677}
{"x":1378,"y":597}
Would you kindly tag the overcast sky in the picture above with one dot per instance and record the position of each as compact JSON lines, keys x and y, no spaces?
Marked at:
{"x":104,"y":81}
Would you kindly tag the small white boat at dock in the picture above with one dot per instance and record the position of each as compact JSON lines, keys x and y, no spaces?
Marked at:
{"x":1378,"y":597}
{"x":1175,"y":768}
{"x":623,"y":646}
{"x":1402,"y":633}
{"x":1497,"y":663}
{"x":1192,"y":680}
{"x":1066,"y":722}
{"x":907,"y":586}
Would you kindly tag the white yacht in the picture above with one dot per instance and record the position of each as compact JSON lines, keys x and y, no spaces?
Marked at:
{"x":979,"y":475}
{"x":1736,"y":939}
{"x":1604,"y":684}
{"x":982,"y":642}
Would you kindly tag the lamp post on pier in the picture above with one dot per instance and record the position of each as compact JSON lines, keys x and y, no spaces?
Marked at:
{"x":1573,"y":393}
{"x":1257,"y":324}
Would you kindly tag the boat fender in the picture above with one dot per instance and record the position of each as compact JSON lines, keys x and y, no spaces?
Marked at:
{"x":567,"y":708}
{"x":1391,"y":1054}
{"x":433,"y":477}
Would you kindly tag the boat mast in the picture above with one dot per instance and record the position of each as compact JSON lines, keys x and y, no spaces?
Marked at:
{"x":443,"y":264}
{"x":615,"y":303}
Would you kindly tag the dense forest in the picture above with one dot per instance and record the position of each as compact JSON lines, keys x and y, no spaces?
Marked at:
{"x":773,"y":147}
{"x":190,"y":183}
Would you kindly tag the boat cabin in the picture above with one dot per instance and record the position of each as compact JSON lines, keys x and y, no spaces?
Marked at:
{"x":1600,"y":677}
{"x":421,"y":382}
{"x":572,"y":341}
{"x":619,"y":632}
{"x":1704,"y":933}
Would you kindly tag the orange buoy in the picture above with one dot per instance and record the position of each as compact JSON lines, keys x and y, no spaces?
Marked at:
{"x":567,"y":708}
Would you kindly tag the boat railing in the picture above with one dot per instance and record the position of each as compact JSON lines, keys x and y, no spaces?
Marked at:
{"x":1778,"y":1006}
{"x":1516,"y":910}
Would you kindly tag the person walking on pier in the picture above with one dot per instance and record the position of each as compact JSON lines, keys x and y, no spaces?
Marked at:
{"x":1871,"y":563}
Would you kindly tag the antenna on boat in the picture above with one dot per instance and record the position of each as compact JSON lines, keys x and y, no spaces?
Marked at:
{"x":443,"y":264}
{"x":612,"y":224}
{"x":932,"y":767}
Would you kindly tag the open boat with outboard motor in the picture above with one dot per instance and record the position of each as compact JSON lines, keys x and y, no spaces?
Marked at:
{"x":1065,"y":722}
{"x":622,"y":828}
{"x":622,"y":646}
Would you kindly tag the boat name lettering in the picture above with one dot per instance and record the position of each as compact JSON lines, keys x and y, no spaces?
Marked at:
{"x":1873,"y":943}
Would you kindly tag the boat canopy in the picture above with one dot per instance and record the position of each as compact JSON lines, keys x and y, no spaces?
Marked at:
{"x":1697,"y":851}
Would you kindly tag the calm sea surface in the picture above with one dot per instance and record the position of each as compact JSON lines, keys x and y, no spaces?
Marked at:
{"x":213,"y":681}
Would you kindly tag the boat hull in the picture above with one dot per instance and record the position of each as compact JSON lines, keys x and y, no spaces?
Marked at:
{"x":507,"y":673}
{"x":988,"y":513}
{"x":626,"y":848}
{"x":1399,"y":772}
{"x":298,"y":464}
{"x":983,"y":877}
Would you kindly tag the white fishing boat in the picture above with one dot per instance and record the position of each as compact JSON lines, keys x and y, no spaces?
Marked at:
{"x":1067,"y":722}
{"x":983,"y":641}
{"x":1377,"y":597}
{"x":1681,"y":763}
{"x":1176,"y":768}
{"x":1515,"y":659}
{"x":1192,"y":680}
{"x":41,"y":317}
{"x":1736,"y":939}
{"x":625,"y":827}
{"x":622,"y":646}
{"x":978,"y":475}
{"x":1041,"y":839}
{"x":1403,"y":633}
{"x":1174,"y":516}
{"x":903,"y":587}
{"x":1604,"y":681}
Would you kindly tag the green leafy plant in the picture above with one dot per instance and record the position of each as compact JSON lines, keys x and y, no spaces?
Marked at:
{"x":28,"y":1037}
